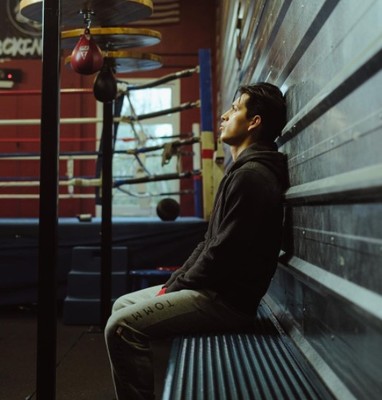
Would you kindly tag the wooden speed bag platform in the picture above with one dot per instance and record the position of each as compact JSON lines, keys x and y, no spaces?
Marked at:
{"x":113,"y":38}
{"x":106,"y":13}
{"x":130,"y":61}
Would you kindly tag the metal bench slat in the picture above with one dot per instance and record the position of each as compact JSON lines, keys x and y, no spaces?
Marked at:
{"x":258,"y":365}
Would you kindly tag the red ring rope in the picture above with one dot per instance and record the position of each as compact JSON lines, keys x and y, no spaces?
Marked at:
{"x":38,"y":91}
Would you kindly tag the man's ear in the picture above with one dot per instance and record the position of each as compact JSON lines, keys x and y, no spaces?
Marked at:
{"x":255,"y":122}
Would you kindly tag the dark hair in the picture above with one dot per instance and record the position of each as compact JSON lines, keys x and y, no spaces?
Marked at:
{"x":267,"y":101}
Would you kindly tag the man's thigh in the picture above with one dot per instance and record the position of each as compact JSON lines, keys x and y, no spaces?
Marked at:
{"x":138,"y":296}
{"x":185,"y":311}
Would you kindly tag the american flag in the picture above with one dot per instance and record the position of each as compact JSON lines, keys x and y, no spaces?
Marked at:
{"x":165,"y":12}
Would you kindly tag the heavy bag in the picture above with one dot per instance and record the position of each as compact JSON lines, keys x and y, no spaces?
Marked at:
{"x":105,"y":85}
{"x":86,"y":58}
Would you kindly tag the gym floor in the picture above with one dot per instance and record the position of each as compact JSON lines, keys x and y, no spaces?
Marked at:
{"x":83,"y":371}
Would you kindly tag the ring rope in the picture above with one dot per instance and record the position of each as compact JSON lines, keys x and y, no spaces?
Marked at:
{"x":181,"y":107}
{"x":37,"y":121}
{"x":39,"y":91}
{"x":90,"y":120}
{"x":36,"y":156}
{"x":37,"y":196}
{"x":145,"y":195}
{"x":125,"y":86}
{"x":97,"y":182}
{"x":62,"y":139}
{"x":80,"y":182}
{"x":92,"y":154}
{"x":177,"y":75}
{"x":155,"y":178}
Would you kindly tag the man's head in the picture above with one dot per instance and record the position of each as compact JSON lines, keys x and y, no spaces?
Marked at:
{"x":257,"y":115}
{"x":267,"y":101}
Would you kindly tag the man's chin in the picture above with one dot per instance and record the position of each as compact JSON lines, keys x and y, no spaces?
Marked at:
{"x":222,"y":137}
{"x":225,"y":139}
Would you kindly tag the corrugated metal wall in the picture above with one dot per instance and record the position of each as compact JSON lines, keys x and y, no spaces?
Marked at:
{"x":327,"y":58}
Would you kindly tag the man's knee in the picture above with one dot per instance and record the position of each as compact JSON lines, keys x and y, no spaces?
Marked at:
{"x":119,"y":326}
{"x":118,"y":304}
{"x":109,"y":330}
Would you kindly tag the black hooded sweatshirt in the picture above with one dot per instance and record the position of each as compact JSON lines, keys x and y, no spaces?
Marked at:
{"x":239,"y":254}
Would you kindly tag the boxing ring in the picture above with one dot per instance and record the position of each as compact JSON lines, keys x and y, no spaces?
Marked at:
{"x":55,"y":14}
{"x":70,"y":181}
{"x":19,"y":267}
{"x":49,"y":240}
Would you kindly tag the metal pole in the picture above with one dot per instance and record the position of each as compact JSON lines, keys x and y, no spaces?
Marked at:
{"x":48,"y":217}
{"x":106,"y":226}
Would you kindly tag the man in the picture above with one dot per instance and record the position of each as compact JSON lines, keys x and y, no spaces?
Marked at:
{"x":221,"y":284}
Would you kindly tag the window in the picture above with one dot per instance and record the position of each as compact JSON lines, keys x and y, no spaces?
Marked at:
{"x":141,"y":199}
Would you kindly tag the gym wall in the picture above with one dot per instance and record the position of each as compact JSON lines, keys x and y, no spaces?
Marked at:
{"x":326,"y":56}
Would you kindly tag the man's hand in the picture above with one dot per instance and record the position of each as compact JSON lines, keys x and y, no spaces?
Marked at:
{"x":162,"y":291}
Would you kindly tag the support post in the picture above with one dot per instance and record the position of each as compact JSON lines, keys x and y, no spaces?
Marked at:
{"x":106,"y":226}
{"x":48,"y":208}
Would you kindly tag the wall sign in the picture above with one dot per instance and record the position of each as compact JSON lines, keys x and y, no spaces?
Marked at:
{"x":20,"y":37}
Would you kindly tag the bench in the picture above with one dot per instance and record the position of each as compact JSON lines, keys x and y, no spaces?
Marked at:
{"x":256,"y":365}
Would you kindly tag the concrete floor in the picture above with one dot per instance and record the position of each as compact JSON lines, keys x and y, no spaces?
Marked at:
{"x":82,"y":372}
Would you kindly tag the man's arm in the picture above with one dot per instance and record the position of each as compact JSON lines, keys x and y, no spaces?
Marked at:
{"x":233,"y":244}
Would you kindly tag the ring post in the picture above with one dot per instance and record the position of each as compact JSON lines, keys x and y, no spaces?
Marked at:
{"x":207,"y":136}
{"x":197,"y":180}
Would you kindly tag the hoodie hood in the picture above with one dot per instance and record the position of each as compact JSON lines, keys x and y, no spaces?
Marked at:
{"x":267,"y":155}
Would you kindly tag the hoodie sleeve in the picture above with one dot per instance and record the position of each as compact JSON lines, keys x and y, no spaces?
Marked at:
{"x":241,"y":219}
{"x":187,"y":264}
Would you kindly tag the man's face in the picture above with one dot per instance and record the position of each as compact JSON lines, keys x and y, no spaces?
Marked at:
{"x":234,"y":125}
